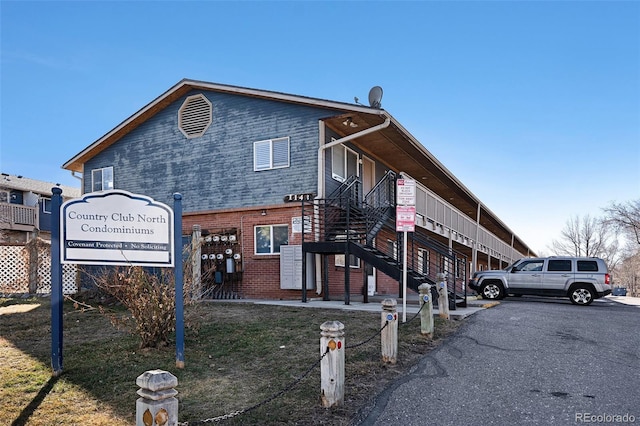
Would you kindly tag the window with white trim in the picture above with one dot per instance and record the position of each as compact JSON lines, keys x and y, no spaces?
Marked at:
{"x":46,"y":205}
{"x":269,"y":238}
{"x":354,"y":262}
{"x":344,"y":163}
{"x":102,"y":179}
{"x":423,"y":261}
{"x":271,"y":154}
{"x":392,"y":249}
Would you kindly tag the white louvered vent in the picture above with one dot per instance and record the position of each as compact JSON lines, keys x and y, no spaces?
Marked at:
{"x":195,"y":116}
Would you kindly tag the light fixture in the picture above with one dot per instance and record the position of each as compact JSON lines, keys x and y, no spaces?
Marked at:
{"x":263,"y":213}
{"x":349,"y":122}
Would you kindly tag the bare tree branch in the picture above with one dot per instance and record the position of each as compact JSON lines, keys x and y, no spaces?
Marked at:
{"x":626,"y":217}
{"x":587,"y":237}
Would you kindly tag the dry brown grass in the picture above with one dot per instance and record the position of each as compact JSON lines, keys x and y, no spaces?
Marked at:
{"x":236,"y":356}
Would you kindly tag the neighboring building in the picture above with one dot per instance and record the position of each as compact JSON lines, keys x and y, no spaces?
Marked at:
{"x":251,"y":164}
{"x":25,"y":207}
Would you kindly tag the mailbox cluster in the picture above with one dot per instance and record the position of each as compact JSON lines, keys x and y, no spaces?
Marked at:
{"x":221,"y":265}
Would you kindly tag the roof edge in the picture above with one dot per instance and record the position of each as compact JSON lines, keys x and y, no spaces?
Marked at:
{"x":185,"y":84}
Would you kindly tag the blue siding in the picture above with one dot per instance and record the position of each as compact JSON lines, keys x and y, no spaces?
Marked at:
{"x":215,"y":171}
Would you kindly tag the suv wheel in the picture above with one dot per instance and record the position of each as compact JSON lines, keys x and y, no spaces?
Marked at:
{"x":581,"y":295}
{"x":492,"y":291}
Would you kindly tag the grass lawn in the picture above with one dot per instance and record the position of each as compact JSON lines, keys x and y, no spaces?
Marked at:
{"x":237,"y":355}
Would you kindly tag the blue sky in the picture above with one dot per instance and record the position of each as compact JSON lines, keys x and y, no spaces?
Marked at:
{"x":534,"y":106}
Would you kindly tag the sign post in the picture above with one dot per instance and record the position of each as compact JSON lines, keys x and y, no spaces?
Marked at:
{"x":177,"y":226}
{"x":56,"y":285}
{"x":405,"y":222}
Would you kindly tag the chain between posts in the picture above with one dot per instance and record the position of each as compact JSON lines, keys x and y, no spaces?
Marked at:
{"x":294,"y":383}
{"x":261,"y":403}
{"x":369,"y":339}
{"x":415,"y":316}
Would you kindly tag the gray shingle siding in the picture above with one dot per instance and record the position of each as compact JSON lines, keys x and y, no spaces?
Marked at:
{"x":215,"y":171}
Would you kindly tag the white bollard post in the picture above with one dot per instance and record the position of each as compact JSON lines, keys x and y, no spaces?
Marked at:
{"x":443,"y":295}
{"x":389,"y":334}
{"x":332,"y":364}
{"x":157,"y":405}
{"x":426,"y":312}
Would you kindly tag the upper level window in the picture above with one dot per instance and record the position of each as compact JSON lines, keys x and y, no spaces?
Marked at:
{"x":46,"y":205}
{"x":269,"y":238}
{"x":344,"y":163}
{"x":102,"y":179}
{"x":271,"y":154}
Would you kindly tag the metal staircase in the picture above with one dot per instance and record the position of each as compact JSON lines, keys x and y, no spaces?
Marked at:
{"x":347,"y":223}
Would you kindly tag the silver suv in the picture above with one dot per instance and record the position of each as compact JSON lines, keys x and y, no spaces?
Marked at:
{"x":581,"y":279}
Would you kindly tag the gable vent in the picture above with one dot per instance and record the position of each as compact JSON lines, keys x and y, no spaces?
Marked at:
{"x":195,"y":116}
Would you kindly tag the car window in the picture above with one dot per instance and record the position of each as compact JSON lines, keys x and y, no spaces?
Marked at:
{"x":559,"y":265}
{"x":587,"y":266}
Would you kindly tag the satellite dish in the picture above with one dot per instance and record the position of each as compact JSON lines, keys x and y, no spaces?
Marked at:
{"x":375,"y":97}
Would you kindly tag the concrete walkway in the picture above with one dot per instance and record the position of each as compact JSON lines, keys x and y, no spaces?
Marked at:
{"x":626,"y":300}
{"x":374,"y":305}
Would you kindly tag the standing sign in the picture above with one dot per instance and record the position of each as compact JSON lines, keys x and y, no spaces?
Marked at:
{"x":117,"y":228}
{"x":113,"y":228}
{"x":405,"y":222}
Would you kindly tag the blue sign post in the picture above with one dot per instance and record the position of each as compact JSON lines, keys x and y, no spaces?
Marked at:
{"x":177,"y":227}
{"x":56,"y":284}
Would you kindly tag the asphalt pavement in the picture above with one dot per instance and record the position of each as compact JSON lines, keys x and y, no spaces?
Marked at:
{"x":527,"y":361}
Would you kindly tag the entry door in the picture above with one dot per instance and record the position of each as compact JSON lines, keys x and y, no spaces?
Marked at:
{"x":368,"y":175}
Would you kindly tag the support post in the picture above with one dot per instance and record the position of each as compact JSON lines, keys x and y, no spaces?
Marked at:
{"x":196,"y":261}
{"x":179,"y":285}
{"x":157,"y":404}
{"x":389,"y":334}
{"x":443,"y":295}
{"x":332,"y":364}
{"x":404,"y":277}
{"x":426,"y":312}
{"x":56,"y":284}
{"x":347,"y":264}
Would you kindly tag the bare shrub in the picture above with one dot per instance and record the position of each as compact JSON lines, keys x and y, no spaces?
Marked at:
{"x":148,"y":296}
